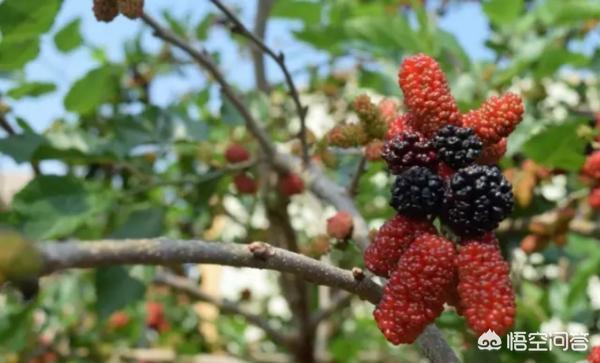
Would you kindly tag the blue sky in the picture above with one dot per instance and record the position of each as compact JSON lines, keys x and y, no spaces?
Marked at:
{"x":465,"y":21}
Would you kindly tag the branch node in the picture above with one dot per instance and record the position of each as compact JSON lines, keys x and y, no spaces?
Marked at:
{"x":261,"y":250}
{"x":358,"y":273}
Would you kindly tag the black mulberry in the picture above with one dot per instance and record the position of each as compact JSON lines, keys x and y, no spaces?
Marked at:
{"x":417,"y":192}
{"x":478,"y":197}
{"x":406,"y":150}
{"x":457,"y":146}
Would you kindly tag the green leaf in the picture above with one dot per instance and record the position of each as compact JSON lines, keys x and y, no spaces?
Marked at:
{"x":69,"y":37}
{"x":115,"y":289}
{"x":31,"y":89}
{"x":307,"y":11}
{"x":203,"y":26}
{"x":15,"y":53}
{"x":579,"y":281}
{"x":560,"y":12}
{"x":503,"y":11}
{"x":99,"y":86}
{"x":557,"y":146}
{"x":53,"y":206}
{"x":557,"y":57}
{"x":26,"y":18}
{"x":21,"y":147}
{"x":144,"y":223}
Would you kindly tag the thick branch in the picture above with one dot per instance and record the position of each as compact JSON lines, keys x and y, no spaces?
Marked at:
{"x":204,"y":60}
{"x":60,"y":256}
{"x":226,"y":307}
{"x":279,"y":58}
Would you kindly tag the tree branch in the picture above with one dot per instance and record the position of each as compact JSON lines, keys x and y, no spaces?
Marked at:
{"x":90,"y":254}
{"x":279,"y":58}
{"x":226,"y":307}
{"x":360,"y":169}
{"x":263,"y":8}
{"x":339,"y":303}
{"x":161,"y":251}
{"x":203,"y":59}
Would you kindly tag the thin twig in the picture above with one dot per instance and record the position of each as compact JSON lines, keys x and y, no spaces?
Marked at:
{"x":263,"y":9}
{"x":279,"y":58}
{"x":338,"y":304}
{"x":226,"y":307}
{"x":360,"y":169}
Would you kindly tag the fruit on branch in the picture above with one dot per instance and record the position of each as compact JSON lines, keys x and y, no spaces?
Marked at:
{"x":236,"y":153}
{"x":245,"y":184}
{"x":486,"y":296}
{"x":478,"y":197}
{"x":340,"y":226}
{"x":594,"y":198}
{"x":491,"y":154}
{"x":390,"y":242}
{"x":417,"y":289}
{"x":347,"y":135}
{"x":132,"y":9}
{"x":105,"y":10}
{"x":155,"y":316}
{"x":457,"y":146}
{"x":496,"y":118}
{"x":373,"y":150}
{"x":406,"y":150}
{"x":397,"y":126}
{"x":439,"y":157}
{"x":427,"y":95}
{"x":594,"y":356}
{"x":388,"y":110}
{"x":118,"y":320}
{"x":290,"y":184}
{"x":370,"y":117}
{"x":417,"y":192}
{"x":591,"y":167}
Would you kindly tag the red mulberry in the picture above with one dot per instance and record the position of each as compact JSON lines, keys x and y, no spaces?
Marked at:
{"x":427,"y":95}
{"x":398,"y":126}
{"x":486,"y":296}
{"x":491,"y":154}
{"x":417,"y":290}
{"x":591,"y":168}
{"x":496,"y":118}
{"x":392,"y":239}
{"x":594,"y":356}
{"x":594,"y":198}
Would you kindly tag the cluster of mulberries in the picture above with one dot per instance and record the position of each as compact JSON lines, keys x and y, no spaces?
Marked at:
{"x":443,"y":163}
{"x":107,"y":10}
{"x":245,"y":183}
